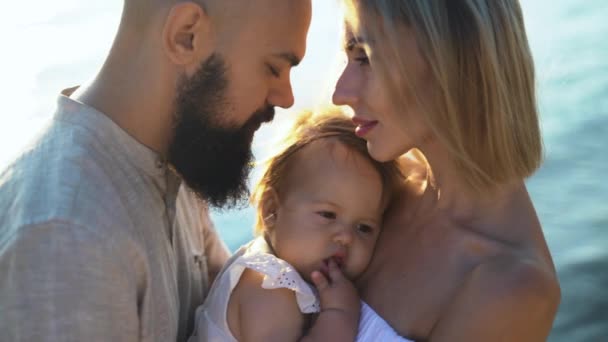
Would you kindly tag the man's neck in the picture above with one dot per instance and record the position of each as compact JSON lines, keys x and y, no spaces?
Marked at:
{"x":136,"y":97}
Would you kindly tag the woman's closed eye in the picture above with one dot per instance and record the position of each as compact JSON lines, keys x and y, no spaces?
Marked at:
{"x":358,"y":55}
{"x":362,"y":60}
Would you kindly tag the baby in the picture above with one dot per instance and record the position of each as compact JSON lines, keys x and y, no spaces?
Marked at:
{"x":319,"y":209}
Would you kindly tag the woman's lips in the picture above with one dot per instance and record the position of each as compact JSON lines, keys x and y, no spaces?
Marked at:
{"x":363,"y":126}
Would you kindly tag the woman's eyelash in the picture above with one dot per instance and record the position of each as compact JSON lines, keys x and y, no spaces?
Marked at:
{"x":362,"y":60}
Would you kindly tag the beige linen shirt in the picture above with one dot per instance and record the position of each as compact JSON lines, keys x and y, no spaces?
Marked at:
{"x":98,"y":240}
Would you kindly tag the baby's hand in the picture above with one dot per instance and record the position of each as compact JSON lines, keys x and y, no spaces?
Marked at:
{"x":340,"y":307}
{"x":337,"y":293}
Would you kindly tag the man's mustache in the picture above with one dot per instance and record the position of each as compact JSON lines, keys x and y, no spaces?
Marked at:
{"x":265,"y":114}
{"x":262,"y":115}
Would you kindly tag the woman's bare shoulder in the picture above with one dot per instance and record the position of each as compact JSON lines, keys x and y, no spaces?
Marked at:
{"x":507,"y":297}
{"x":516,"y":276}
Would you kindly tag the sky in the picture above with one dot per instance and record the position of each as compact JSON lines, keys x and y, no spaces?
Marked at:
{"x":52,"y":45}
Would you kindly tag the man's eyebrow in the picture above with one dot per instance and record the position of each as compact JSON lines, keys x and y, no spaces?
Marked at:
{"x":291,"y":58}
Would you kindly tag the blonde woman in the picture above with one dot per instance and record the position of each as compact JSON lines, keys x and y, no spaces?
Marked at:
{"x":462,"y":255}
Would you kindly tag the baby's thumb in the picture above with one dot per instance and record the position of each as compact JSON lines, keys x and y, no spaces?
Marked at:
{"x":335,"y":273}
{"x":319,"y":280}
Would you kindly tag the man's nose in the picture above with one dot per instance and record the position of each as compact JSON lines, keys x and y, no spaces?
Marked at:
{"x":282,"y":95}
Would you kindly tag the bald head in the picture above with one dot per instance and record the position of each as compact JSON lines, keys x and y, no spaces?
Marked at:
{"x":140,"y":13}
{"x":226,"y":15}
{"x":162,"y":46}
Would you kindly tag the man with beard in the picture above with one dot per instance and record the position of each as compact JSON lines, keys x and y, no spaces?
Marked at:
{"x":104,"y":230}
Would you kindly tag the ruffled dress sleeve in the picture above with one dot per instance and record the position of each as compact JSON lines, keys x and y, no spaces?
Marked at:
{"x":278,"y":273}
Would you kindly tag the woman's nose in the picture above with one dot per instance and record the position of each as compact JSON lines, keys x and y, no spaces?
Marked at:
{"x":347,"y":89}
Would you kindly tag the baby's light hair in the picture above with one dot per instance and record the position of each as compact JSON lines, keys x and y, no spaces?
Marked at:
{"x":329,"y":123}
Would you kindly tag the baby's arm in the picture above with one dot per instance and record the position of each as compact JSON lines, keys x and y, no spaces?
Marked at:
{"x":258,"y":314}
{"x":340,"y":308}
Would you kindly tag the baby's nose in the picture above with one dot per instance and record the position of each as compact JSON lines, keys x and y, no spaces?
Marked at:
{"x":344,"y":236}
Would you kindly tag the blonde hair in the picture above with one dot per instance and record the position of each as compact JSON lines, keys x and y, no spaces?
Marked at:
{"x":483,"y":107}
{"x":330,"y":123}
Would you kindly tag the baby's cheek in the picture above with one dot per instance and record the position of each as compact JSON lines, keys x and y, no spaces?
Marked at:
{"x":360,"y":262}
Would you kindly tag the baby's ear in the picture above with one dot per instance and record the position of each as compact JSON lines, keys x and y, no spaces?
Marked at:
{"x":269,"y":206}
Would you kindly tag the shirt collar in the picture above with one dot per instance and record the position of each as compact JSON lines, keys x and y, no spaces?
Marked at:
{"x":145,"y":159}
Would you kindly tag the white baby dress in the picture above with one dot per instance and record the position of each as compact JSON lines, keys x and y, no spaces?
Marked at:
{"x":211,"y":324}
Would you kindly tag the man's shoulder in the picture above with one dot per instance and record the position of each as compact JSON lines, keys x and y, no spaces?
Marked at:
{"x":52,"y":178}
{"x":51,"y":233}
{"x":60,"y":146}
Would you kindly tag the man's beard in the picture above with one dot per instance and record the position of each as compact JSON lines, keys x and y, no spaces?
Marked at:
{"x":213,"y":160}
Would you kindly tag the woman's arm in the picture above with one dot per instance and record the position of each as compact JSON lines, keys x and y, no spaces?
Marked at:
{"x":502,"y":300}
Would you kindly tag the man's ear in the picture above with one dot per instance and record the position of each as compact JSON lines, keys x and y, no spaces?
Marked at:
{"x":187,"y":35}
{"x":269,"y":207}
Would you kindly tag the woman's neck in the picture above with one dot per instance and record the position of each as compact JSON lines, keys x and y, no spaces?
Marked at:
{"x":451,"y":195}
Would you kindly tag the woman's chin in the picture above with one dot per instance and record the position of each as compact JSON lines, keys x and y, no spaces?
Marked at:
{"x":382,"y":153}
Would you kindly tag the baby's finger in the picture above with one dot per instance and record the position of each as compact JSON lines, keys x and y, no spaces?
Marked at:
{"x":335,"y":273}
{"x":319,"y":280}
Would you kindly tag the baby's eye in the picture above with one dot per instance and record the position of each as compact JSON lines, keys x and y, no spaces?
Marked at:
{"x":365,"y":229}
{"x":327,"y":214}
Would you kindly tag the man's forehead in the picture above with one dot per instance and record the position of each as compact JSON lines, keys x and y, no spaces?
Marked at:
{"x":285,"y":30}
{"x":279,"y":10}
{"x":268,"y":28}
